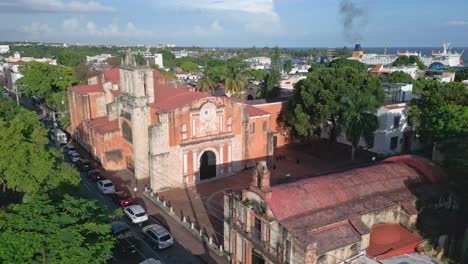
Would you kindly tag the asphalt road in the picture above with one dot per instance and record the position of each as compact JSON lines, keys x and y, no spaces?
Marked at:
{"x":173,"y":255}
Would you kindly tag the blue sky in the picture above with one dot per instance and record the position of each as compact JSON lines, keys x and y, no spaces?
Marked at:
{"x":237,"y":23}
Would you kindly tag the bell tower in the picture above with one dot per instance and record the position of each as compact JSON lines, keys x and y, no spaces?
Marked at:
{"x":137,"y":86}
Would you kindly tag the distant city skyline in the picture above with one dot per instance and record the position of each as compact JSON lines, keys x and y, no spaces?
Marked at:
{"x":238,"y":23}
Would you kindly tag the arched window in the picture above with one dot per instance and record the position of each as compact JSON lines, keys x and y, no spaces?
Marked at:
{"x":184,"y":131}
{"x":229,"y":124}
{"x":322,"y":259}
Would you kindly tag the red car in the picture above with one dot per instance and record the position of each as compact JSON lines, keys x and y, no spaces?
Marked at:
{"x":122,"y":198}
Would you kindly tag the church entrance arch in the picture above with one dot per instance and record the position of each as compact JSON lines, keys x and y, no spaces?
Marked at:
{"x":207,"y":165}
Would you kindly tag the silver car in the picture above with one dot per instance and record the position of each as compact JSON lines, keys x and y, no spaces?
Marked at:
{"x":158,"y":236}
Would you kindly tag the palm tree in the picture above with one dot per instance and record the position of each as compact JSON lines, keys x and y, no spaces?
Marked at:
{"x":359,"y":120}
{"x":205,"y":84}
{"x":235,"y":81}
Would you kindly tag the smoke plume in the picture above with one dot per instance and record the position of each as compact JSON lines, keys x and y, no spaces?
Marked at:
{"x":354,"y":18}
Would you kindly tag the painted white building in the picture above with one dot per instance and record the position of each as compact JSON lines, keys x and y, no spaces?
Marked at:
{"x":156,"y":59}
{"x":383,"y":69}
{"x":289,"y":82}
{"x":180,"y":54}
{"x":259,"y":66}
{"x":4,"y":49}
{"x":98,"y":58}
{"x":18,"y":58}
{"x":300,"y":68}
{"x":259,"y":60}
{"x":395,"y":134}
{"x":187,"y":76}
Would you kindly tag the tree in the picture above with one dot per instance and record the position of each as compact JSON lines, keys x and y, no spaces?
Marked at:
{"x":271,"y":87}
{"x":32,"y":166}
{"x":400,"y":77}
{"x":344,"y":62}
{"x":359,"y":120}
{"x":317,"y":100}
{"x":409,"y":60}
{"x":205,"y":84}
{"x":168,"y":58}
{"x":287,"y":66}
{"x":72,"y":230}
{"x":450,"y":121}
{"x":189,"y":66}
{"x":69,"y":59}
{"x":139,"y":59}
{"x":235,"y":81}
{"x":461,"y":75}
{"x":84,"y":71}
{"x":431,"y":104}
{"x":257,"y":75}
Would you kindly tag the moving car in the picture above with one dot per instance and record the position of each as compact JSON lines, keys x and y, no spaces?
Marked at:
{"x":122,"y":198}
{"x":106,"y":186}
{"x":94,"y":176}
{"x":151,"y":261}
{"x":84,"y":165}
{"x":126,"y":240}
{"x":158,"y":236}
{"x":136,"y":213}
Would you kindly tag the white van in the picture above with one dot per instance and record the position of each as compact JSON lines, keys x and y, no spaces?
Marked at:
{"x":58,"y":136}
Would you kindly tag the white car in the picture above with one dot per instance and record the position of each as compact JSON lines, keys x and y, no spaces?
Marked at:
{"x":136,"y":213}
{"x":158,"y":236}
{"x":151,"y":261}
{"x":106,"y":186}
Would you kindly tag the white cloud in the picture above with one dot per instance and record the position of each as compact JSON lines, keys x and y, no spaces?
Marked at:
{"x":53,"y":6}
{"x":74,"y":28}
{"x":458,"y":23}
{"x":213,"y":28}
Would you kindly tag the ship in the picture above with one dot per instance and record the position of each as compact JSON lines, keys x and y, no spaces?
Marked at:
{"x":439,"y":59}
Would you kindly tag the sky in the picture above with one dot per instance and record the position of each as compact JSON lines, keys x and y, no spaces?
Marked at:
{"x":238,"y":23}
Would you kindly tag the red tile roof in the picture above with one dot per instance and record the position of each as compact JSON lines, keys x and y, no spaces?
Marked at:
{"x":168,"y":97}
{"x":390,"y":240}
{"x":335,"y":236}
{"x":102,"y":125}
{"x":320,"y":201}
{"x":428,"y":168}
{"x":254,"y":111}
{"x":87,"y":89}
{"x":112,"y":75}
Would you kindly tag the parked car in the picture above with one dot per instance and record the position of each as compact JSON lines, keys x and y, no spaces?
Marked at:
{"x":158,"y":236}
{"x":106,"y":186}
{"x":136,"y":213}
{"x":94,"y":176}
{"x":151,"y":261}
{"x":68,"y":148}
{"x":126,"y":240}
{"x":75,"y":157}
{"x":122,"y":198}
{"x":85,"y":165}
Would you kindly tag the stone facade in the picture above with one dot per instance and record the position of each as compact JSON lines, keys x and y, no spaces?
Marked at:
{"x":135,"y":118}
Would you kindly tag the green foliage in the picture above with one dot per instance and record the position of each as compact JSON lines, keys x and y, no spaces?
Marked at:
{"x":168,"y":58}
{"x":432,"y":108}
{"x":400,"y":77}
{"x":189,"y":66}
{"x":258,"y":75}
{"x":69,"y":59}
{"x":359,"y":119}
{"x":318,"y":100}
{"x":344,"y":62}
{"x":235,"y":80}
{"x":139,"y":59}
{"x":461,"y":75}
{"x":31,"y":166}
{"x":409,"y":60}
{"x":271,"y":87}
{"x":205,"y":84}
{"x":450,"y":121}
{"x":71,"y":230}
{"x":287,"y":66}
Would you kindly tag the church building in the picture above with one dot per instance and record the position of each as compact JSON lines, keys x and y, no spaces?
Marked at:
{"x":134,"y":117}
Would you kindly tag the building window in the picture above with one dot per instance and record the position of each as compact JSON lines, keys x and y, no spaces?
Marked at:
{"x":221,"y":123}
{"x":403,"y":96}
{"x":393,"y":143}
{"x":252,"y":128}
{"x":185,"y":164}
{"x":396,"y":121}
{"x":194,"y":126}
{"x":184,"y":131}
{"x":127,"y":132}
{"x":264,"y":126}
{"x":229,"y":124}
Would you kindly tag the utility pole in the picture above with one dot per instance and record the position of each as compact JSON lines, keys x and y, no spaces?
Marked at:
{"x":16,"y":93}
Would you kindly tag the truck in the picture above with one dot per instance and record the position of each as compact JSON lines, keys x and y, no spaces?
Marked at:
{"x":58,"y":136}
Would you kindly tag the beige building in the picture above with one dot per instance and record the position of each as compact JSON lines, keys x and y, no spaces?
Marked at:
{"x":327,"y":219}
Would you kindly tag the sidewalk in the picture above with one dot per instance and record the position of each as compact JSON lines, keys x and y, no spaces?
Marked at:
{"x":124,"y":180}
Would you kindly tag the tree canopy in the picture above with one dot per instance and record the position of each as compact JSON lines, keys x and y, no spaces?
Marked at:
{"x":461,"y":75}
{"x":287,"y":66}
{"x":189,"y":66}
{"x":409,"y":60}
{"x":400,"y":77}
{"x":271,"y":87}
{"x":317,"y":100}
{"x":344,"y":62}
{"x":72,"y":230}
{"x":32,"y":166}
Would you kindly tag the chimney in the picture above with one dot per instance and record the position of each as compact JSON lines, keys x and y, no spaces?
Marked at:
{"x":261,"y":180}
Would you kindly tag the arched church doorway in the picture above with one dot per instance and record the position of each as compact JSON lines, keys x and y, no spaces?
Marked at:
{"x":207,"y":165}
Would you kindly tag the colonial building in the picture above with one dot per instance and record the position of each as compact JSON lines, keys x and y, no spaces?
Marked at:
{"x":136,"y":118}
{"x":331,"y":218}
